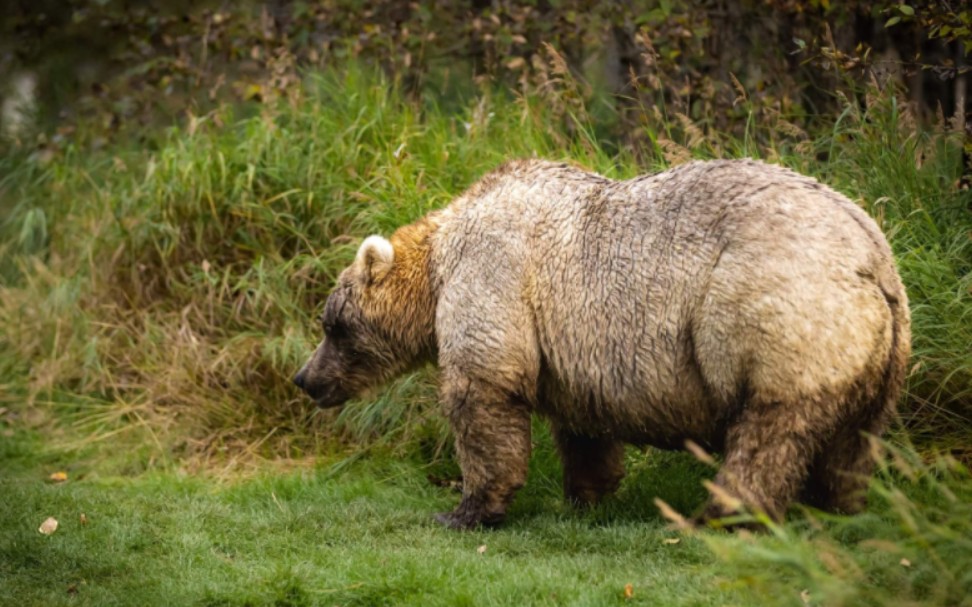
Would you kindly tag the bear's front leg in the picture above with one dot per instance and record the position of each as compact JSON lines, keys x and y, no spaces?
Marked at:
{"x":492,"y":432}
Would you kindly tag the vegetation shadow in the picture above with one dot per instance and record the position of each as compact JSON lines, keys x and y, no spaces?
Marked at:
{"x":675,"y":477}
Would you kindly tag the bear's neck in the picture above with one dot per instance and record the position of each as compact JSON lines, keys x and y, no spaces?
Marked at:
{"x":413,"y":295}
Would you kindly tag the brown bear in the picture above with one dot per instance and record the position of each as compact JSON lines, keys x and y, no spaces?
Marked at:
{"x":735,"y":304}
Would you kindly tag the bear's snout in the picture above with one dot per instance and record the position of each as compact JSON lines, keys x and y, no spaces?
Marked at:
{"x":325,"y":394}
{"x":300,"y":378}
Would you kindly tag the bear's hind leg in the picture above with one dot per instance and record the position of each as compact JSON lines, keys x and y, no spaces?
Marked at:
{"x":768,"y":453}
{"x":593,"y":467}
{"x":492,"y":433}
{"x":840,"y":475}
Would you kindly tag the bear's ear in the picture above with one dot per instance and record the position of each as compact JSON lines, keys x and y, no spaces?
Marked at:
{"x":375,"y":258}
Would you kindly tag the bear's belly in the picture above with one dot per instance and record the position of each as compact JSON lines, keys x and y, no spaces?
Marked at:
{"x":665,"y":421}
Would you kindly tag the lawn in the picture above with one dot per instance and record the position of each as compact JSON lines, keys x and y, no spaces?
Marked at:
{"x":297,"y":533}
{"x":303,"y":535}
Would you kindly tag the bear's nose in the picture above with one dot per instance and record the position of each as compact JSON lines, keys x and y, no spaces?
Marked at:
{"x":299,"y":378}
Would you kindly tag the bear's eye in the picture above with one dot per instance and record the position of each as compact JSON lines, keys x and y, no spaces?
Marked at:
{"x":334,"y":329}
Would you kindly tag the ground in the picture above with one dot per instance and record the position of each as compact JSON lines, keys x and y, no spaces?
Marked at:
{"x":362,"y":536}
{"x":359,"y":531}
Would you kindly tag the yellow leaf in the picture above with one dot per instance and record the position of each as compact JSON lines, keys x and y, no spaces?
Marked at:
{"x":84,"y":519}
{"x":905,"y":563}
{"x":628,"y":591}
{"x":58,"y":477}
{"x":481,"y":549}
{"x":671,"y":540}
{"x":49,"y":526}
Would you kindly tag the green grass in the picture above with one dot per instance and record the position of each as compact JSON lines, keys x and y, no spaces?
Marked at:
{"x":156,"y":299}
{"x":364,"y":536}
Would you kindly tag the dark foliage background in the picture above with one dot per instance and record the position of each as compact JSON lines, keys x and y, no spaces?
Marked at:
{"x":127,"y":63}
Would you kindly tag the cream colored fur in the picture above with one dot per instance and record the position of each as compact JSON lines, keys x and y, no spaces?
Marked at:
{"x":734,"y":304}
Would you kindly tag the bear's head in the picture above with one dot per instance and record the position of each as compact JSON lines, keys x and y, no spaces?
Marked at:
{"x":378,"y":321}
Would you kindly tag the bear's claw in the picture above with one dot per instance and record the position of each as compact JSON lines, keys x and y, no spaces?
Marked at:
{"x":463,"y":520}
{"x":450,"y":520}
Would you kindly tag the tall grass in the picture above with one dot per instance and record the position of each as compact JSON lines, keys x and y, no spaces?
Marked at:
{"x":908,"y":180}
{"x":912,"y":547}
{"x":164,"y":295}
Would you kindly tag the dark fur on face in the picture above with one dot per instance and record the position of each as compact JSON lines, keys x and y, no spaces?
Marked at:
{"x":349,"y":355}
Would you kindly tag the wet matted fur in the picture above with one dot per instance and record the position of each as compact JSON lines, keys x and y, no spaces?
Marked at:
{"x":735,"y":304}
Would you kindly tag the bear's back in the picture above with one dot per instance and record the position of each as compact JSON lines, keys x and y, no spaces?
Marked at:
{"x":651,"y":297}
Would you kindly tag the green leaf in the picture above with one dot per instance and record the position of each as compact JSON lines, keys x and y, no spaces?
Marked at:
{"x":906,"y":10}
{"x":892,"y":21}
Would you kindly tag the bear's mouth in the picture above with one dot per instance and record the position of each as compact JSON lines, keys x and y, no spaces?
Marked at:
{"x":330,"y":397}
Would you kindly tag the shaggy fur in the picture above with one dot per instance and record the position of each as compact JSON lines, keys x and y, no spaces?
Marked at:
{"x":735,"y":304}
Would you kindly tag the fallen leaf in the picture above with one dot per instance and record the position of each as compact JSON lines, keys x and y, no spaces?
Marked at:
{"x":805,"y":597}
{"x":905,"y":563}
{"x":84,"y":519}
{"x":481,"y":549}
{"x":671,"y":540}
{"x":628,"y":591}
{"x":49,"y":526}
{"x":58,"y":477}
